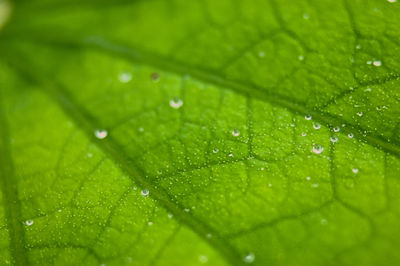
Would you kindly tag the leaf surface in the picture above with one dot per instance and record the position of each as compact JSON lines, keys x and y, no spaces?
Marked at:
{"x":200,"y":132}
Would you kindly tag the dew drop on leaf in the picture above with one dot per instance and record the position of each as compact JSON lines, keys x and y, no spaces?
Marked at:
{"x":360,"y":114}
{"x":317,"y":126}
{"x":354,"y":170}
{"x":392,"y":1}
{"x":334,"y":139}
{"x":235,"y":132}
{"x":150,"y":223}
{"x":249,"y":258}
{"x":350,"y":135}
{"x":308,"y":117}
{"x":304,"y":134}
{"x":377,"y":63}
{"x":176,"y":103}
{"x":29,"y":222}
{"x":100,"y":133}
{"x":308,"y":178}
{"x":215,"y":150}
{"x":124,"y":76}
{"x":336,"y":129}
{"x":170,"y":215}
{"x":318,"y":149}
{"x":145,"y":192}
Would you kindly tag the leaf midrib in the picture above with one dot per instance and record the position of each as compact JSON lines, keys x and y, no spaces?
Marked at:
{"x":248,"y":90}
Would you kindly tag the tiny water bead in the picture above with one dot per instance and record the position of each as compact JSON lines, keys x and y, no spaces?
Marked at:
{"x":354,"y":170}
{"x":249,"y":258}
{"x":236,"y":132}
{"x":304,"y":134}
{"x":334,"y":139}
{"x":360,"y":114}
{"x":100,"y":133}
{"x":317,"y":126}
{"x":377,"y":63}
{"x":318,"y":149}
{"x":392,"y":1}
{"x":29,"y":222}
{"x":350,"y":135}
{"x":176,"y":103}
{"x":336,"y":129}
{"x":124,"y":76}
{"x":308,"y":178}
{"x":308,"y":117}
{"x":145,"y":192}
{"x":301,"y":57}
{"x":215,"y":150}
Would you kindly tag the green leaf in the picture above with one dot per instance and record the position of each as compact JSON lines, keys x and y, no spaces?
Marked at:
{"x":200,"y":132}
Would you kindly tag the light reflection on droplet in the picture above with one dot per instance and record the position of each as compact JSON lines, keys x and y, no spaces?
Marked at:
{"x":100,"y":133}
{"x":145,"y":192}
{"x":318,"y":149}
{"x":249,"y":258}
{"x":176,"y":103}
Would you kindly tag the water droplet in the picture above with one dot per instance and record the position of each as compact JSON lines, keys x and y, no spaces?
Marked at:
{"x":215,"y":150}
{"x":176,"y":103}
{"x":377,"y":63}
{"x":170,"y":215}
{"x":269,"y":185}
{"x":203,"y":258}
{"x":350,"y":135}
{"x":392,"y":1}
{"x":100,"y":133}
{"x":29,"y":222}
{"x":336,"y":129}
{"x":317,"y":126}
{"x":308,"y":117}
{"x":187,"y":210}
{"x":301,"y":57}
{"x":304,"y":134}
{"x":334,"y":139}
{"x":308,"y":178}
{"x":209,"y":236}
{"x":354,"y":170}
{"x":249,"y":258}
{"x":230,"y":154}
{"x":155,"y":77}
{"x":306,"y":16}
{"x":261,"y":54}
{"x":134,"y":188}
{"x":236,"y":132}
{"x":360,"y":114}
{"x":150,"y":223}
{"x":315,"y":185}
{"x":89,"y":155}
{"x":141,"y":129}
{"x":145,"y":192}
{"x":318,"y":149}
{"x":124,"y":76}
{"x":358,"y":46}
